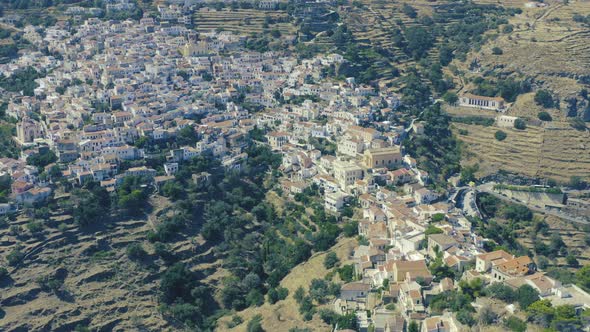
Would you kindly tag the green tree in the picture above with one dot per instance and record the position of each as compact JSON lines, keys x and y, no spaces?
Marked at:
{"x":544,"y":98}
{"x":346,"y":273}
{"x":255,"y":324}
{"x":519,"y":124}
{"x":15,"y":257}
{"x":544,"y":116}
{"x":500,"y":135}
{"x":299,"y":294}
{"x":350,"y":228}
{"x":526,"y":296}
{"x":135,"y":251}
{"x":413,"y":327}
{"x":583,"y":277}
{"x":513,"y":323}
{"x":450,"y":98}
{"x":572,"y":261}
{"x":331,"y":260}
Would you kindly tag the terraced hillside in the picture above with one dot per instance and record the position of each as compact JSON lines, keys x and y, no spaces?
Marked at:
{"x":242,"y":21}
{"x":546,"y":44}
{"x":375,"y":22}
{"x":558,"y":152}
{"x":100,"y":285}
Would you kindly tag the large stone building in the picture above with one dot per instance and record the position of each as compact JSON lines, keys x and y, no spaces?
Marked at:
{"x":347,"y":173}
{"x":28,"y":130}
{"x":489,"y":103}
{"x":383,"y":157}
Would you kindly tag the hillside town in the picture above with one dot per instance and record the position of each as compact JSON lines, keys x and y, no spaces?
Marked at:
{"x":117,"y":93}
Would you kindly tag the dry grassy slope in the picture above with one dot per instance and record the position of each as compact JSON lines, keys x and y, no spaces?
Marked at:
{"x":236,"y":21}
{"x":536,"y":152}
{"x":112,"y":293}
{"x":284,"y":315}
{"x":549,"y":46}
{"x":374,"y":23}
{"x":546,"y":44}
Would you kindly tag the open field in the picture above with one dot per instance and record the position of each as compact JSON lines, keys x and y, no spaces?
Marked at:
{"x":557,"y":153}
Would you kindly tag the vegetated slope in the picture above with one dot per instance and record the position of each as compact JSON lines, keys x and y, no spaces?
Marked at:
{"x":284,"y":315}
{"x":546,"y":43}
{"x":242,"y":21}
{"x":536,"y":152}
{"x":101,"y":286}
{"x":549,"y":48}
{"x":559,"y":246}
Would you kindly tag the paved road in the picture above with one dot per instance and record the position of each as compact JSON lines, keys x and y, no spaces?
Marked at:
{"x":489,"y":188}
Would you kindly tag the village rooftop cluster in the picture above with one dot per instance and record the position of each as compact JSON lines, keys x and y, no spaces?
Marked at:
{"x":118,"y":83}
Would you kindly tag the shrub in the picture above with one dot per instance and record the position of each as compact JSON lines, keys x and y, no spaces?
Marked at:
{"x":572,"y":261}
{"x":465,"y":317}
{"x":346,"y":273}
{"x":500,"y":135}
{"x":15,"y":257}
{"x":254,"y":298}
{"x":235,"y":321}
{"x":299,"y":294}
{"x":544,"y":98}
{"x":578,"y":124}
{"x":277,"y":294}
{"x":519,"y":124}
{"x":508,"y":28}
{"x":135,"y":251}
{"x":255,"y":325}
{"x":526,"y":296}
{"x":350,"y":229}
{"x":497,"y":51}
{"x":544,"y":116}
{"x":331,"y":260}
{"x":487,"y":316}
{"x":3,"y":273}
{"x":451,"y":98}
{"x":513,"y":323}
{"x":35,"y":227}
{"x":501,"y":292}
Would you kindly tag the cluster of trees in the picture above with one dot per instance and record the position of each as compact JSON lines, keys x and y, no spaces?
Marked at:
{"x":464,"y":26}
{"x":21,"y":80}
{"x":474,"y":120}
{"x":89,"y":205}
{"x":459,"y":301}
{"x":558,"y":318}
{"x":494,"y":208}
{"x":132,"y":195}
{"x":185,"y":299}
{"x":230,"y":212}
{"x":437,"y":150}
{"x":42,"y":159}
{"x":320,"y":291}
{"x":507,"y":88}
{"x":7,"y":147}
{"x":544,"y":98}
{"x":364,"y":63}
{"x":8,"y":51}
